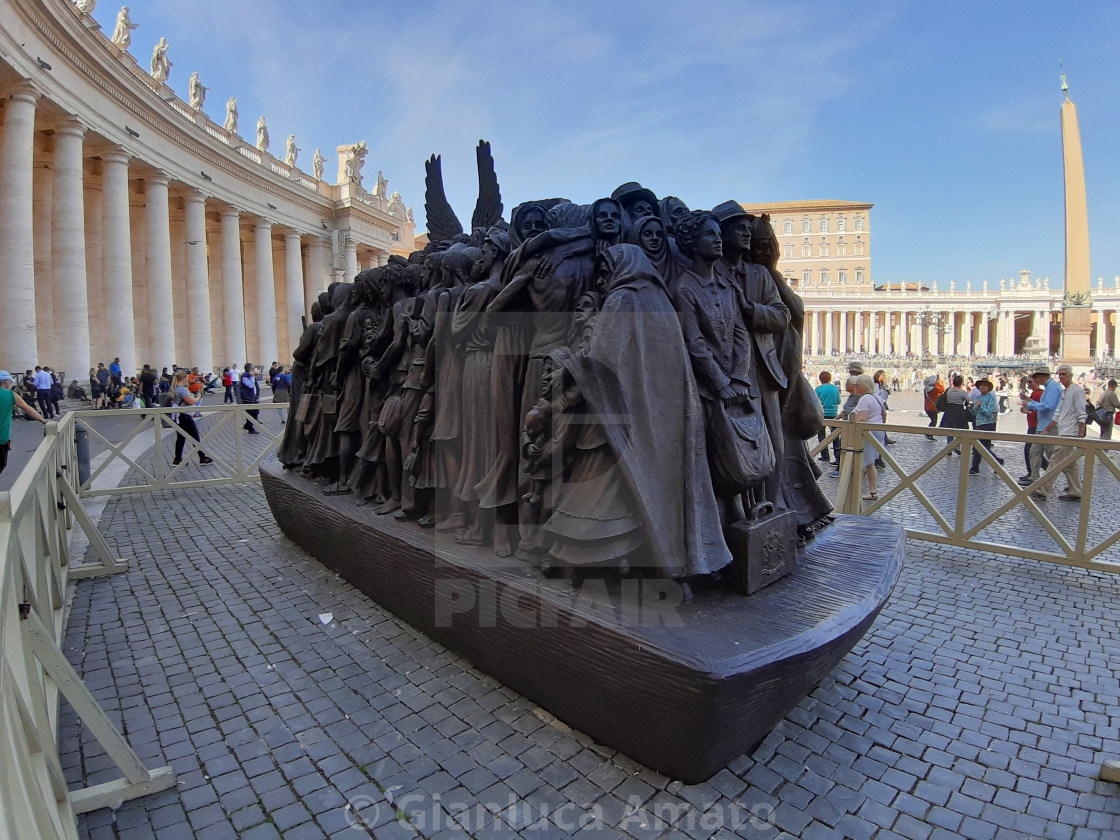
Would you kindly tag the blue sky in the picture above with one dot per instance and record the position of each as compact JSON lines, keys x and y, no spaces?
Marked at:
{"x":944,"y":115}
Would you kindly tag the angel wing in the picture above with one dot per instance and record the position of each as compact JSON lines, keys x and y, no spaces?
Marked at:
{"x":488,"y":208}
{"x":443,"y":224}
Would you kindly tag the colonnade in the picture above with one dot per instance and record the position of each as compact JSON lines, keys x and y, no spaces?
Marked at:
{"x":103,"y":255}
{"x":1001,"y":329}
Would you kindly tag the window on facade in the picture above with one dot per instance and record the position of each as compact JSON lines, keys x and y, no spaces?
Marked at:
{"x":789,"y":226}
{"x":859,"y":249}
{"x":842,"y":249}
{"x":789,"y":251}
{"x":806,"y":250}
{"x":859,"y":224}
{"x":842,"y":276}
{"x":807,"y":277}
{"x":859,"y":277}
{"x":824,"y":249}
{"x":824,"y":276}
{"x":824,"y":225}
{"x":806,"y":226}
{"x":841,"y":223}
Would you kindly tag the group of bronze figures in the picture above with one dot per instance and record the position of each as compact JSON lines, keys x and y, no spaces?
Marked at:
{"x":607,"y":386}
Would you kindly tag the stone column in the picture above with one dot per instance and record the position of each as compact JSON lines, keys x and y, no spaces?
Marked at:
{"x":857,"y":341}
{"x":351,"y":259}
{"x":116,"y":270}
{"x":383,"y":258}
{"x":95,"y":289}
{"x":809,"y":340}
{"x":828,"y":317}
{"x":161,"y":300}
{"x":266,"y":294}
{"x":318,"y":272}
{"x":198,"y":283}
{"x":1103,"y":344}
{"x":17,"y":249}
{"x":42,"y":186}
{"x":293,"y":278}
{"x":982,"y":342}
{"x":68,"y":238}
{"x":233,"y":301}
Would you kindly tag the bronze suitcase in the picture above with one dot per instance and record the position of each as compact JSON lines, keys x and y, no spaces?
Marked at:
{"x":763,"y":548}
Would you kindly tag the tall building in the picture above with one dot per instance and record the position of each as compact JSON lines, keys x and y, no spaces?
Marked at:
{"x":823,"y":244}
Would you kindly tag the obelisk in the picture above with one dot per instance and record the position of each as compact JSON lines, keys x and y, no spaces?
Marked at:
{"x":1076,"y":307}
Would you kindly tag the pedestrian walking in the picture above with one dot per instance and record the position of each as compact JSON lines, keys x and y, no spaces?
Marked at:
{"x":1045,"y":405}
{"x":869,"y":409}
{"x":227,"y":383}
{"x":984,"y":413}
{"x":9,"y":402}
{"x":182,"y":397}
{"x":251,"y":394}
{"x":1107,"y":408}
{"x":1068,"y":421}
{"x":42,"y":382}
{"x":933,"y":388}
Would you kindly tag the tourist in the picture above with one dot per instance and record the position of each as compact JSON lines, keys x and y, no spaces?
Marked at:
{"x":869,"y":409}
{"x":115,"y":371}
{"x":984,"y":413}
{"x":43,"y":383}
{"x":1045,"y":405}
{"x":281,"y":383}
{"x":227,"y":383}
{"x":251,"y":394}
{"x":1068,"y":421}
{"x":1109,"y":405}
{"x":884,"y":394}
{"x":829,"y":396}
{"x":165,"y":381}
{"x":933,"y":388}
{"x":9,"y":402}
{"x":851,"y":386}
{"x":103,"y":377}
{"x":149,"y":384}
{"x":1032,"y":426}
{"x":1003,"y":394}
{"x":95,"y":389}
{"x":181,"y":396}
{"x":954,"y":405}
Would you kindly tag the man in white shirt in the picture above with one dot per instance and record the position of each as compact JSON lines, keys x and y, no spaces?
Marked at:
{"x":1068,"y":421}
{"x":43,"y":383}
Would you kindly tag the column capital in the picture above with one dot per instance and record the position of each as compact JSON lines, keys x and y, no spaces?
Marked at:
{"x":22,"y":90}
{"x":262,"y":224}
{"x":194,"y":196}
{"x":116,"y":154}
{"x":230,"y":213}
{"x":292,"y":234}
{"x":71,"y":126}
{"x":156,"y":179}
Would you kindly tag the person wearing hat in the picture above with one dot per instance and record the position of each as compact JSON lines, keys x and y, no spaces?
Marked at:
{"x":985,"y":410}
{"x":765,"y":316}
{"x":9,"y":401}
{"x":636,"y":201}
{"x":1045,"y":407}
{"x":1068,"y":421}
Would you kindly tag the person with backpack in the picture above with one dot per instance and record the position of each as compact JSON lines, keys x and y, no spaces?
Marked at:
{"x":933,"y":387}
{"x":181,"y":396}
{"x":250,"y":393}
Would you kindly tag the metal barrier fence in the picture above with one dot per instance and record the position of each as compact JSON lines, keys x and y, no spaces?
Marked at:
{"x":939,"y":501}
{"x":37,"y":518}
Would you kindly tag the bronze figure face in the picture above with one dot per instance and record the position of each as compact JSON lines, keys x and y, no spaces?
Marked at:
{"x":608,"y":220}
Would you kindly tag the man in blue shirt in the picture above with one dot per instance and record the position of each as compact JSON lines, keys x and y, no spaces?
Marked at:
{"x":43,"y":384}
{"x":115,"y":371}
{"x":1046,"y":405}
{"x":250,"y":393}
{"x":829,"y":396}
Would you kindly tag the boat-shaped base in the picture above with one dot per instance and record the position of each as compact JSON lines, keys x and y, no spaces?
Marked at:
{"x":683,"y":688}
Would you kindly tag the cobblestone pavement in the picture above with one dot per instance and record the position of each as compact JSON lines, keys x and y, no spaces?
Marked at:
{"x":980,"y":705}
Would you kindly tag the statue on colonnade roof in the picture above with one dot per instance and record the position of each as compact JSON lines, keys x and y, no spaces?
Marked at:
{"x":122,"y":35}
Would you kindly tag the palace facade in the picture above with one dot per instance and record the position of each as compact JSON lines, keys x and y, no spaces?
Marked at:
{"x":132,"y":224}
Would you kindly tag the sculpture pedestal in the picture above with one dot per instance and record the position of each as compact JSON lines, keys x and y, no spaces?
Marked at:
{"x":1077,"y":327}
{"x":682,"y":688}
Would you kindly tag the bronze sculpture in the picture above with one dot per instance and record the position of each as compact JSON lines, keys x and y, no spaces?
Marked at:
{"x":467,"y":386}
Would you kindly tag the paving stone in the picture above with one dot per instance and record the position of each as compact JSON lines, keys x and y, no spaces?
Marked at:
{"x":974,"y":711}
